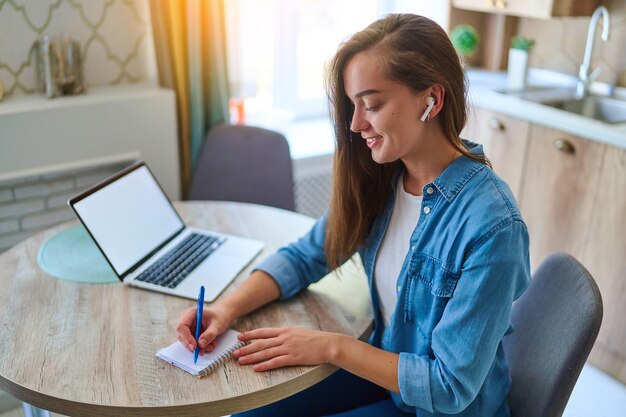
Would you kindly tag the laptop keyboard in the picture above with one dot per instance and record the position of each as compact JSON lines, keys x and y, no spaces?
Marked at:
{"x":173,"y":267}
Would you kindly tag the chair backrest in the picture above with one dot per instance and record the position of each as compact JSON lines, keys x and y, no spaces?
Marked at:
{"x":247,"y":164}
{"x":555,"y":324}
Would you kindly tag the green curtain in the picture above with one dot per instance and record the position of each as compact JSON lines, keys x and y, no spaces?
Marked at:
{"x":190,"y":44}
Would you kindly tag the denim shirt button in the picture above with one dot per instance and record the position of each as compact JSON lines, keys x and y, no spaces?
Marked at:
{"x":398,"y":288}
{"x":429,"y":190}
{"x":426,"y":210}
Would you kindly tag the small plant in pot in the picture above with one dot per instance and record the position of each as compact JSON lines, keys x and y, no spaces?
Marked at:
{"x":465,"y":40}
{"x":518,"y":61}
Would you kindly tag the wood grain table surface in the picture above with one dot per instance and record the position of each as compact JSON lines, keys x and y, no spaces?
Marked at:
{"x":89,"y":349}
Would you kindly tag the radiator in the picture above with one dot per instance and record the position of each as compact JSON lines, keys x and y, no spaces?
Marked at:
{"x":312,"y":184}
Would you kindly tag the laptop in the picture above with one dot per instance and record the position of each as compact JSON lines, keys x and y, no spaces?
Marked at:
{"x":148,"y":245}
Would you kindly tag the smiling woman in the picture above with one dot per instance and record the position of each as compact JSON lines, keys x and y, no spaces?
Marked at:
{"x":372,"y":67}
{"x":388,"y":116}
{"x":441,"y":238}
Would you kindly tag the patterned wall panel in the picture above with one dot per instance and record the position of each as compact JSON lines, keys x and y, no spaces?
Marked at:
{"x":115,"y":37}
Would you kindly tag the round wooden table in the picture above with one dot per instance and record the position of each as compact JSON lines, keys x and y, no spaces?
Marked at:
{"x":89,"y":349}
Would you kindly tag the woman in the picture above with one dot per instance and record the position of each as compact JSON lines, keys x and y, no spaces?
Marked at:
{"x":440,"y":235}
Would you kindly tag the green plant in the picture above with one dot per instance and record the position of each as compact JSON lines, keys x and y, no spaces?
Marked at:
{"x":523,"y":43}
{"x":465,"y":39}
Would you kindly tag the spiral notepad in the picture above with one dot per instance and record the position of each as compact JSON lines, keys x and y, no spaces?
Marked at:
{"x":179,"y":356}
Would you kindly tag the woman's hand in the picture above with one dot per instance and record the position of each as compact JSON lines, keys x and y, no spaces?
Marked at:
{"x":256,"y":291}
{"x":215,"y":321}
{"x":277,"y":347}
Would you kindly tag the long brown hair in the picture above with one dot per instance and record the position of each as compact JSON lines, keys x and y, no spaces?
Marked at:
{"x":416,"y":52}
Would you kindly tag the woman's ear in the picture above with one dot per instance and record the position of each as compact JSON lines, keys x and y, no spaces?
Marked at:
{"x":436,"y":95}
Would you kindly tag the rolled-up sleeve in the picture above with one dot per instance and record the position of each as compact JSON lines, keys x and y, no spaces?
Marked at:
{"x":475,"y":319}
{"x":296,"y":266}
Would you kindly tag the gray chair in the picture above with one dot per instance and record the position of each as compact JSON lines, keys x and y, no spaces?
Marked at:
{"x":556,"y":322}
{"x":246,"y":164}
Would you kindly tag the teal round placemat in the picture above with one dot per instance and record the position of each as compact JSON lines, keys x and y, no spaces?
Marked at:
{"x":72,"y":255}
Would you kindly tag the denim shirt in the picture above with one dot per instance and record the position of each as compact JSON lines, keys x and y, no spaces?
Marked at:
{"x":468,"y":260}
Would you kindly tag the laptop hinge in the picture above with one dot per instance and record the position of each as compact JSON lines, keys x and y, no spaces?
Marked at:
{"x":151,"y":254}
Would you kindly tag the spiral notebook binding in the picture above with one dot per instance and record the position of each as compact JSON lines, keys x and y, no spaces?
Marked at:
{"x":220,"y":359}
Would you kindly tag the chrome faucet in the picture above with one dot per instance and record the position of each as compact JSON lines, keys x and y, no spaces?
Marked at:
{"x":584,"y":77}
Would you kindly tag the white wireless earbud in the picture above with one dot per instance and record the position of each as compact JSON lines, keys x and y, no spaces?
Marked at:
{"x":431,"y":103}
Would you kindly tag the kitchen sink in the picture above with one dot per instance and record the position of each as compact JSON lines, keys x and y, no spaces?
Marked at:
{"x":604,"y":109}
{"x":605,"y":103}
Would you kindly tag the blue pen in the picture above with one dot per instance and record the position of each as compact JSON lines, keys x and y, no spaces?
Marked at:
{"x":198,"y":323}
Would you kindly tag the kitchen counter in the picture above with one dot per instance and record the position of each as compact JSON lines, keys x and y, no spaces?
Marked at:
{"x":482,"y":94}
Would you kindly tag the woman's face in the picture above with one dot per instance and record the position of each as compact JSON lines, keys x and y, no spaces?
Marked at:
{"x":386,"y":113}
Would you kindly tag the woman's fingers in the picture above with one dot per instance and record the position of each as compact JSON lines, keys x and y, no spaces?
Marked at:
{"x":209,"y":335}
{"x":183,"y":329}
{"x":262,"y":355}
{"x":275,"y":347}
{"x":262,"y":333}
{"x":274,"y":363}
{"x":186,"y":329}
{"x":257,"y":346}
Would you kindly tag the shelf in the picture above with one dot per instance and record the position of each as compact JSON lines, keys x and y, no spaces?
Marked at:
{"x":100,"y":94}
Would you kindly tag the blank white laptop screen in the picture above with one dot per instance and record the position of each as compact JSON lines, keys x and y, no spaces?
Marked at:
{"x":129,"y":218}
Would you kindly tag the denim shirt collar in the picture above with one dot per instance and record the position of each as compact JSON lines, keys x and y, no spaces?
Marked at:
{"x":452,"y":180}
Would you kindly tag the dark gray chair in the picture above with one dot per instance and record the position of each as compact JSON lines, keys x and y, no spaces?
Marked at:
{"x":247,"y":164}
{"x":556,"y":322}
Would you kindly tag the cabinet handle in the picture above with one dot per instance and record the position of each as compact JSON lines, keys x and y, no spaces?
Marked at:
{"x":564,"y":145}
{"x":496,"y":124}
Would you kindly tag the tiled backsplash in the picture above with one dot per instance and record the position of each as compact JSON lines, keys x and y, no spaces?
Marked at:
{"x":115,"y":35}
{"x":29,"y":205}
{"x":560,"y":44}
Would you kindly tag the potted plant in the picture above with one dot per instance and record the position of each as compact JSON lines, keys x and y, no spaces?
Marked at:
{"x":518,"y":61}
{"x":465,"y":40}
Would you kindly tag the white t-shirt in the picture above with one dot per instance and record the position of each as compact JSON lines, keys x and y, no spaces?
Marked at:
{"x":394,"y":248}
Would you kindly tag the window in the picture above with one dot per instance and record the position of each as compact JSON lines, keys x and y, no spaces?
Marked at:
{"x":278,"y":50}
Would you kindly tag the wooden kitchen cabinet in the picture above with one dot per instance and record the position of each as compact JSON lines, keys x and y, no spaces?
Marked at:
{"x":504,"y":141}
{"x":573,"y":199}
{"x":542,"y":9}
{"x":560,"y":181}
{"x":604,"y":255}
